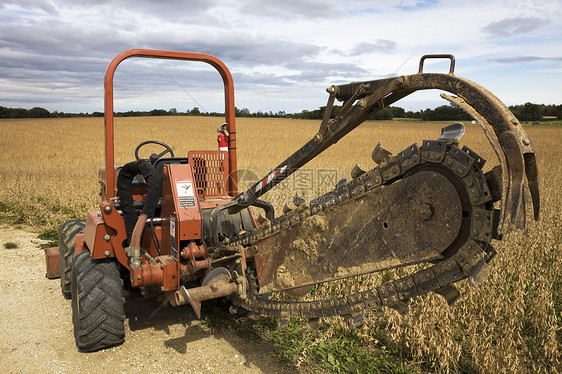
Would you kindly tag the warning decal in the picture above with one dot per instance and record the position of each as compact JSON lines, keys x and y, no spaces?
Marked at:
{"x":186,"y":195}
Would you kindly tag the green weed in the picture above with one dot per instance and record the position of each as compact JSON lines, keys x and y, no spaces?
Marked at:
{"x":312,"y":351}
{"x":52,"y":237}
{"x":214,"y":316}
{"x":4,"y":208}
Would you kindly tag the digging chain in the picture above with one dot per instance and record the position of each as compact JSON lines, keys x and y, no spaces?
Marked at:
{"x":470,"y":260}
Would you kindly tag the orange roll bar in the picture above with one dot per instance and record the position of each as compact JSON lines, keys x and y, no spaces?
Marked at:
{"x":171,"y":55}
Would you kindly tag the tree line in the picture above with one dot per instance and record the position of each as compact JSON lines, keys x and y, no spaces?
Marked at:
{"x":524,"y":112}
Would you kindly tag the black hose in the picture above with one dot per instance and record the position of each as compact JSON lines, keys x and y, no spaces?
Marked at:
{"x":155,"y":238}
{"x":124,"y":180}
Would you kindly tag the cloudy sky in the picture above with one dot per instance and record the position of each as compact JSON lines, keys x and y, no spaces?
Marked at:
{"x":282,"y":54}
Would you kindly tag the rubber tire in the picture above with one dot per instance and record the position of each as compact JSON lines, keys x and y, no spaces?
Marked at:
{"x":67,"y":240}
{"x":98,"y":312}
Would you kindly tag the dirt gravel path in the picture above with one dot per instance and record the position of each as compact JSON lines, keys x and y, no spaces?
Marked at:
{"x":36,"y":333}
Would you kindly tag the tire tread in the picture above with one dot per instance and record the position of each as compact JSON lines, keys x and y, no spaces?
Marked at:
{"x":67,"y":240}
{"x":97,"y":305}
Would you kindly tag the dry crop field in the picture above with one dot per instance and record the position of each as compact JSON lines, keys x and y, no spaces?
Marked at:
{"x":48,"y":173}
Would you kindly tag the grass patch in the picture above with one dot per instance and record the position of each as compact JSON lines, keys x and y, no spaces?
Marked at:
{"x":10,"y":245}
{"x":10,"y":214}
{"x":7,"y":215}
{"x":342,"y":352}
{"x":214,"y":316}
{"x":309,"y":349}
{"x":49,"y":234}
{"x":4,"y":208}
{"x":52,"y":237}
{"x":37,"y":212}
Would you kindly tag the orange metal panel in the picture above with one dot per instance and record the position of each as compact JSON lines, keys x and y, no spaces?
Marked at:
{"x":180,"y":207}
{"x":104,"y":234}
{"x":164,"y":273}
{"x":148,"y":242}
{"x":93,"y":220}
{"x":97,"y":242}
{"x":114,"y":227}
{"x":170,"y":269}
{"x":52,"y":261}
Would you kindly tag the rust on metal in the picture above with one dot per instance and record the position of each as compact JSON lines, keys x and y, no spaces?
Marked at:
{"x":218,"y":283}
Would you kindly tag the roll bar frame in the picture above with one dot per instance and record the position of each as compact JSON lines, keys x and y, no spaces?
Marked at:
{"x":170,"y":55}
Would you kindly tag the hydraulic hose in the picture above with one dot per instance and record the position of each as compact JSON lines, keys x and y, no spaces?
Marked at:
{"x":135,"y":224}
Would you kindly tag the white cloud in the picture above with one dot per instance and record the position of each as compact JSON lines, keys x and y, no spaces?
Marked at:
{"x":282,"y":54}
{"x":512,"y":27}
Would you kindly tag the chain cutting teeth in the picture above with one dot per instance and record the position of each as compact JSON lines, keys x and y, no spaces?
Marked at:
{"x":380,"y":154}
{"x":357,"y":171}
{"x":467,"y":262}
{"x":298,"y":200}
{"x":262,"y":220}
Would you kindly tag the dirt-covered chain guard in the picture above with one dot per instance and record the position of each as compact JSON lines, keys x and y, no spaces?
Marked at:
{"x":413,"y":220}
{"x":447,"y":218}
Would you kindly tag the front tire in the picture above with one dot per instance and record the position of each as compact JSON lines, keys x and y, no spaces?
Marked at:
{"x":67,"y":241}
{"x":98,"y":312}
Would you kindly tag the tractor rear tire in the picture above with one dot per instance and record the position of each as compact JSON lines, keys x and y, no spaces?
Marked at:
{"x":67,"y":240}
{"x":98,"y":312}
